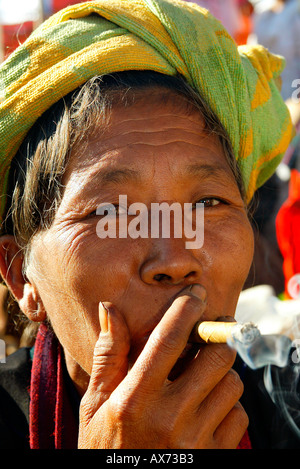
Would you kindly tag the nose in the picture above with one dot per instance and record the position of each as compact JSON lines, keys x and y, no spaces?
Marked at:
{"x":170,"y":263}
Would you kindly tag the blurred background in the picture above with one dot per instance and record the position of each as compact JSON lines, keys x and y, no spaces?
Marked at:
{"x":18,"y":18}
{"x":244,"y":19}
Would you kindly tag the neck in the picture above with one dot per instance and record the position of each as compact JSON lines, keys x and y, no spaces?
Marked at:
{"x":79,"y":377}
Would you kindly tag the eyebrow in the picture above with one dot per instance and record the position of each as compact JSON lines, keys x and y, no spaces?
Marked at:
{"x":118,"y":176}
{"x":126,"y":175}
{"x":207,"y":171}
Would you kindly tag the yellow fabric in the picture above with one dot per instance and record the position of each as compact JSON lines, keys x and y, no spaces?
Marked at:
{"x":167,"y":36}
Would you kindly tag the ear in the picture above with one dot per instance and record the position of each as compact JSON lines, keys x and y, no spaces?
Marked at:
{"x":11,"y":270}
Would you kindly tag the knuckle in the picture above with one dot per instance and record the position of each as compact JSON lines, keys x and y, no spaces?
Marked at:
{"x":109,"y":355}
{"x":108,"y":360}
{"x":221,"y":356}
{"x":125,"y":406}
{"x":166,"y":431}
{"x":86,"y":410}
{"x":168,"y":344}
{"x":241,"y":417}
{"x":107,"y":346}
{"x":233,"y":385}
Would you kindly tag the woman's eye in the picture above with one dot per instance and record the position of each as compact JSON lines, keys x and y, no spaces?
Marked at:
{"x":109,"y":210}
{"x":121,"y":210}
{"x":210,"y":202}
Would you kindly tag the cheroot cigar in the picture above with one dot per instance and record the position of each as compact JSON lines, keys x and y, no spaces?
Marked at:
{"x":217,"y":332}
{"x":213,"y":332}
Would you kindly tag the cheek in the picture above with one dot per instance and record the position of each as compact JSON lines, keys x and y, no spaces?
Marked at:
{"x":229,"y":252}
{"x":100,"y":269}
{"x":238,"y":252}
{"x":231,"y":239}
{"x":84,"y":271}
{"x":83,"y":263}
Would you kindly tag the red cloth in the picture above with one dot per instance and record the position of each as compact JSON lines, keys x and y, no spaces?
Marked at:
{"x":60,"y":4}
{"x":52,"y":423}
{"x":14,"y":35}
{"x":245,"y":442}
{"x":288,"y":230}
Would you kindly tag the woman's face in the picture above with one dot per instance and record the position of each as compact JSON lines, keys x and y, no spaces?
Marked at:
{"x":151,"y":152}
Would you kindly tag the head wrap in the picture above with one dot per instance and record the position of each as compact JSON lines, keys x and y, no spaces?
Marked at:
{"x":167,"y":36}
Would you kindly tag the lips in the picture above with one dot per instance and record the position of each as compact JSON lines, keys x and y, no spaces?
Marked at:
{"x":188,"y":354}
{"x":190,"y":351}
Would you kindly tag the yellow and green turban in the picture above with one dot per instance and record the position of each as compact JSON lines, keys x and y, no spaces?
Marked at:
{"x":167,"y":36}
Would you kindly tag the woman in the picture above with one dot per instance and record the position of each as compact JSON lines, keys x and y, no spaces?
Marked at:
{"x":108,"y":99}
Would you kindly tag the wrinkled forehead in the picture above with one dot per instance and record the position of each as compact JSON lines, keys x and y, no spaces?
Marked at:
{"x":146,"y":103}
{"x":153,"y":135}
{"x":136,"y":119}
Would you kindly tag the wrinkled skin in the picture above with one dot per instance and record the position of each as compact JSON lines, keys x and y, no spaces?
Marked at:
{"x":120,"y":356}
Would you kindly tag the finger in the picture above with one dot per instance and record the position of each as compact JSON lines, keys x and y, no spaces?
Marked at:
{"x":216,"y":420}
{"x":170,"y":336}
{"x":232,"y":429}
{"x":202,"y":374}
{"x":110,"y":362}
{"x":219,"y":402}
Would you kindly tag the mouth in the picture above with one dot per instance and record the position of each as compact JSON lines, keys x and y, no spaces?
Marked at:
{"x":186,"y":357}
{"x":188,"y":354}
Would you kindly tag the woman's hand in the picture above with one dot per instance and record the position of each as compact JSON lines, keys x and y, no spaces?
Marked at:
{"x":142,"y":408}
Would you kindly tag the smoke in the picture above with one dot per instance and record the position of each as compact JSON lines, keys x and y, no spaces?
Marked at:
{"x":282,"y":385}
{"x":277,"y":348}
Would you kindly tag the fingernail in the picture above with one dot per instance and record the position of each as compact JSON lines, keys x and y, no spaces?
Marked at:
{"x":198,"y":290}
{"x":225,"y":319}
{"x":103,"y":317}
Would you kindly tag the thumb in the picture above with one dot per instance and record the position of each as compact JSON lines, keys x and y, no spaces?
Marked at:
{"x":110,"y":362}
